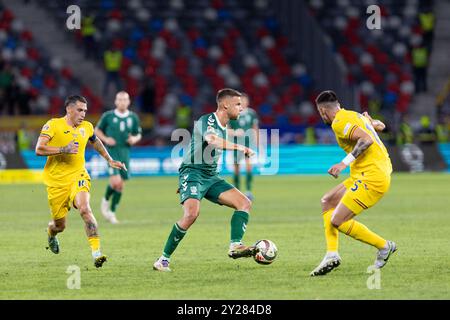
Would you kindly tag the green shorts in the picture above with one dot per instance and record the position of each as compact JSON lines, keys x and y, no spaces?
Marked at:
{"x":122,"y":156}
{"x":195,"y":184}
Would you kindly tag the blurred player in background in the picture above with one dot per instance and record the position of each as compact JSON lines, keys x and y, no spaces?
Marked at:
{"x":198,"y":178}
{"x":244,"y":131}
{"x":370,"y":178}
{"x":119,"y":129}
{"x":63,"y":141}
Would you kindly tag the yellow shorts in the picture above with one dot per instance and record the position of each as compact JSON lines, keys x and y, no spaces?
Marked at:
{"x":61,"y":199}
{"x":361,"y":195}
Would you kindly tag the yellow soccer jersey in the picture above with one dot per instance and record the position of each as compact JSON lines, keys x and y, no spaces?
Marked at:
{"x":63,"y":169}
{"x":374,"y":163}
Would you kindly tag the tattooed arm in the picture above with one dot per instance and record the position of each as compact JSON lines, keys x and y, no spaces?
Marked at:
{"x":100,"y":148}
{"x":363,"y":142}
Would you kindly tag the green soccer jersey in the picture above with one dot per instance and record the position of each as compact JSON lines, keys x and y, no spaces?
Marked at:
{"x":119,"y":127}
{"x":247,"y":119}
{"x":200,"y":155}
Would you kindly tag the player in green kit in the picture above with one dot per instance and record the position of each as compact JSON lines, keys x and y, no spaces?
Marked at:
{"x":119,"y":129}
{"x":198,"y":178}
{"x":245,"y":130}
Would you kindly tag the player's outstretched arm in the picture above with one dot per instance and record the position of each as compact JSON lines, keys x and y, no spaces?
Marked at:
{"x":220,"y":143}
{"x":42,"y":149}
{"x":363,"y":142}
{"x":103,"y":137}
{"x":100,"y":148}
{"x":376,"y":124}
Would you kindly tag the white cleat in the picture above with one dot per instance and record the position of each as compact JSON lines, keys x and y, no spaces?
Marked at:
{"x":162,"y":264}
{"x":112,"y":217}
{"x":329,"y":262}
{"x":384,"y":254}
{"x":104,"y":208}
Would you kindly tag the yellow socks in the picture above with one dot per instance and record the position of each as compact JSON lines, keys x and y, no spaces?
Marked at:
{"x":331,"y":233}
{"x":360,"y":232}
{"x":94,"y":242}
{"x":352,"y":228}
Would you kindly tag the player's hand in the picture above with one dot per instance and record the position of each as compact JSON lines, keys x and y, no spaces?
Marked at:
{"x":249,"y":152}
{"x":366,"y":114}
{"x":110,"y":141}
{"x":131,"y":140}
{"x":336,"y":169}
{"x":117,"y":165}
{"x":71,"y":148}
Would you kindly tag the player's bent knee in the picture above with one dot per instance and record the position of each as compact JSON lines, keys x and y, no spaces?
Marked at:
{"x":245,"y":205}
{"x":335,"y":222}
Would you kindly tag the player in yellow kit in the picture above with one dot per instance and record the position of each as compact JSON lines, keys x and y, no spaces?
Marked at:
{"x":370,"y":178}
{"x":63,"y":141}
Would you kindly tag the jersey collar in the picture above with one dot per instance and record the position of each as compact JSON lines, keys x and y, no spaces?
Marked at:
{"x":218,"y":122}
{"x":122,"y":115}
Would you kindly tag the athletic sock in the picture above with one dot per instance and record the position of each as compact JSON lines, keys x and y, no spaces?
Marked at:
{"x":237,"y":181}
{"x":94,"y":243}
{"x":239,"y":222}
{"x":249,"y":180}
{"x":360,"y":232}
{"x":109,"y":192}
{"x":115,"y":200}
{"x":176,"y":235}
{"x":331,"y":233}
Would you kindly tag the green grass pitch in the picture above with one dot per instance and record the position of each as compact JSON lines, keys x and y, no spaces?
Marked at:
{"x":415,"y":214}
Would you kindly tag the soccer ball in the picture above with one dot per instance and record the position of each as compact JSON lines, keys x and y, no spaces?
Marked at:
{"x":267,"y":251}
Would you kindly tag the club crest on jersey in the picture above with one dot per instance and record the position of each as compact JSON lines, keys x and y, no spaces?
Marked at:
{"x":45,"y":127}
{"x":194,"y":190}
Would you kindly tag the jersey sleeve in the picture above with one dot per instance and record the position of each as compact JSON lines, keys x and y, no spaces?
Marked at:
{"x":344,"y":127}
{"x":102,"y":123}
{"x":90,"y":132}
{"x":136,"y":129}
{"x":48,"y":130}
{"x":206,"y":126}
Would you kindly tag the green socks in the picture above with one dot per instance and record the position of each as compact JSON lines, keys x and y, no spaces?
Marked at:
{"x":239,"y":222}
{"x":174,"y":239}
{"x":109,"y":192}
{"x":249,"y":181}
{"x":236,"y":181}
{"x":115,"y":200}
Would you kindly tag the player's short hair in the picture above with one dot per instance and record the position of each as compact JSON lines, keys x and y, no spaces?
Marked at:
{"x":225,"y":93}
{"x":326,"y":96}
{"x":74,"y":99}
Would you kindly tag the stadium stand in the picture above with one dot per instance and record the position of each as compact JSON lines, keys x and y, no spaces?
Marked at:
{"x":31,"y":81}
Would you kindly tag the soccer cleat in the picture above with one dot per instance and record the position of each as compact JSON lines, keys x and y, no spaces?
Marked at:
{"x":384,"y":254}
{"x":112,"y":218}
{"x":53,"y":244}
{"x":328,"y":263}
{"x":161,"y":265}
{"x":99,"y":259}
{"x":242,"y":251}
{"x":104,"y":208}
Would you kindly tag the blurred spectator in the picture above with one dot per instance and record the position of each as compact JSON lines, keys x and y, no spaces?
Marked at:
{"x":426,"y":18}
{"x":420,"y":62}
{"x":310,"y":136}
{"x":88,"y":33}
{"x":183,"y":117}
{"x":113,"y":63}
{"x":24,"y":137}
{"x":405,"y":134}
{"x":426,"y":134}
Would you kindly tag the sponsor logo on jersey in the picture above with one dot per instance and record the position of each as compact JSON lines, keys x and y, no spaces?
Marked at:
{"x":66,"y":132}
